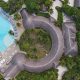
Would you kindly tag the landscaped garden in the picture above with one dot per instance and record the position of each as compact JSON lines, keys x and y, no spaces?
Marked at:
{"x":35,"y":42}
{"x":38,"y":7}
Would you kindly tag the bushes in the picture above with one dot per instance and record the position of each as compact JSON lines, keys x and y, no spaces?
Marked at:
{"x":68,"y":61}
{"x":11,"y":6}
{"x":15,"y":5}
{"x":71,"y":75}
{"x":1,"y":77}
{"x":74,"y":13}
{"x":43,"y":14}
{"x":32,"y":6}
{"x":17,"y":16}
{"x":73,"y":65}
{"x":65,"y":2}
{"x":47,"y":75}
{"x":78,"y":40}
{"x":4,"y":5}
{"x":37,"y":5}
{"x":35,"y":42}
{"x":59,"y":21}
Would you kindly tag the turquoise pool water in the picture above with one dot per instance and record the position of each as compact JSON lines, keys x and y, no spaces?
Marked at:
{"x":5,"y":38}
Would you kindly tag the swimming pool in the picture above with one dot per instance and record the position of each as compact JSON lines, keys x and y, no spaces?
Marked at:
{"x":5,"y":38}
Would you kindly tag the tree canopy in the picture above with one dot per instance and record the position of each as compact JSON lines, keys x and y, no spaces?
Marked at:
{"x":32,"y":6}
{"x":47,"y":75}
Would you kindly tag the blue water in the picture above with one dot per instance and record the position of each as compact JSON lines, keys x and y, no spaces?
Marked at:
{"x":5,"y":38}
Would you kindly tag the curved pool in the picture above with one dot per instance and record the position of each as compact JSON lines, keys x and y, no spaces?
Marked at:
{"x":5,"y":38}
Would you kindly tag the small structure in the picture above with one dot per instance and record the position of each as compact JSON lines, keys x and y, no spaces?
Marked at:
{"x":69,"y":33}
{"x":61,"y":71}
{"x":77,"y":3}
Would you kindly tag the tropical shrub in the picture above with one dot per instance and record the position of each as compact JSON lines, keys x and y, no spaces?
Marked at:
{"x":47,"y":75}
{"x":59,"y":21}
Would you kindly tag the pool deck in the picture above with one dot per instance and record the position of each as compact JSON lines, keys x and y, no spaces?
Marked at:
{"x":6,"y":57}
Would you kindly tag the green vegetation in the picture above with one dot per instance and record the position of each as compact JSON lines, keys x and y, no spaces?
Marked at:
{"x":11,"y":6}
{"x":4,"y":5}
{"x":68,"y":61}
{"x":11,"y":32}
{"x":71,"y":75}
{"x":59,"y":21}
{"x":1,"y":77}
{"x":78,"y":41}
{"x":35,"y":6}
{"x":35,"y":42}
{"x":65,"y":2}
{"x":32,"y":6}
{"x":17,"y":16}
{"x":73,"y":65}
{"x":74,"y":13}
{"x":44,"y":14}
{"x":14,"y":5}
{"x":47,"y":75}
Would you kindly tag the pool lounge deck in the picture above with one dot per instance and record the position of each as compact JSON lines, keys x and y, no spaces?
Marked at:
{"x":7,"y":56}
